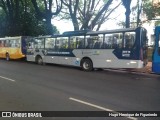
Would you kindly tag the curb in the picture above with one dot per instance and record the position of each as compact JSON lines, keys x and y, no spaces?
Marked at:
{"x":134,"y":72}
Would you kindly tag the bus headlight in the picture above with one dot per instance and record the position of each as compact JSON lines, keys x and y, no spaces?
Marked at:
{"x":108,"y":60}
{"x":78,"y":59}
{"x":133,"y":62}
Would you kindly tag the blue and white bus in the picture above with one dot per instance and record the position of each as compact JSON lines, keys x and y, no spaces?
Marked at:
{"x":156,"y":52}
{"x":121,"y":48}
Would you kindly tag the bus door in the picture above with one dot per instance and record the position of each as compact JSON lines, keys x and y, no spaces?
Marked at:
{"x":61,"y":54}
{"x":51,"y":50}
{"x":35,"y":49}
{"x":125,"y":48}
{"x":24,"y":44}
{"x":156,"y":52}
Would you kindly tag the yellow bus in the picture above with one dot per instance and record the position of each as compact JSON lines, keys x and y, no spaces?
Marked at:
{"x":13,"y":47}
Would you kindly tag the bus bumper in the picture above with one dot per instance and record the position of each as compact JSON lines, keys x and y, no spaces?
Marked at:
{"x":156,"y":67}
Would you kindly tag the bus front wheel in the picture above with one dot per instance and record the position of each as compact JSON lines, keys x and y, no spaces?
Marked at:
{"x":39,"y":60}
{"x":87,"y":65}
{"x":7,"y":57}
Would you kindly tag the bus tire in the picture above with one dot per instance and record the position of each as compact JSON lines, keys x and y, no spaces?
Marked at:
{"x":39,"y":60}
{"x":87,"y":65}
{"x":7,"y":57}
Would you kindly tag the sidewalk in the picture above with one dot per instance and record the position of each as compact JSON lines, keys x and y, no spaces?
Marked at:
{"x":146,"y":69}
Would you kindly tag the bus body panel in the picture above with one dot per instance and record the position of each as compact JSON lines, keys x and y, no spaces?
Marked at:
{"x":100,"y":59}
{"x":156,"y":66}
{"x":30,"y":58}
{"x":106,"y":59}
{"x":128,"y":52}
{"x":14,"y":49}
{"x":14,"y":53}
{"x":156,"y":52}
{"x":51,"y":59}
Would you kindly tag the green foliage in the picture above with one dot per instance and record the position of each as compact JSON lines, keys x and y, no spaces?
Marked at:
{"x":21,"y":19}
{"x":2,"y":22}
{"x":151,"y":10}
{"x":157,"y":23}
{"x":148,"y":9}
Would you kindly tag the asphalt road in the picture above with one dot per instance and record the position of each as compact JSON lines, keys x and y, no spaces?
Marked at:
{"x":26,"y":86}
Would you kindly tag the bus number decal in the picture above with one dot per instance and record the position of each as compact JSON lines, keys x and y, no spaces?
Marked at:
{"x":126,"y":53}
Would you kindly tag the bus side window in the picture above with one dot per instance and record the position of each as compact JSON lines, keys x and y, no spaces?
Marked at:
{"x":3,"y":43}
{"x":50,"y":43}
{"x":80,"y":42}
{"x":39,"y":43}
{"x":129,"y":39}
{"x":57,"y":43}
{"x":114,"y":42}
{"x":17,"y":44}
{"x":110,"y":41}
{"x":98,"y":42}
{"x":12,"y":43}
{"x":73,"y":42}
{"x":7,"y":43}
{"x":118,"y":40}
{"x":63,"y":43}
{"x":90,"y":43}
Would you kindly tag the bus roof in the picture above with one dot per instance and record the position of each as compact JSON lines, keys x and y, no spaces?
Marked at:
{"x":81,"y":32}
{"x":112,"y":31}
{"x":89,"y":32}
{"x":10,"y":38}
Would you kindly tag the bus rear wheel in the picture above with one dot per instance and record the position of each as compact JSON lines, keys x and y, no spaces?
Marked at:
{"x":87,"y":65}
{"x":7,"y":57}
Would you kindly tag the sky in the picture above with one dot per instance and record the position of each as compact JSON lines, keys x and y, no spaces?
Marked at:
{"x":64,"y":25}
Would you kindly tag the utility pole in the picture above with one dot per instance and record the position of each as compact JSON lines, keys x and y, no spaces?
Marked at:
{"x":139,"y":4}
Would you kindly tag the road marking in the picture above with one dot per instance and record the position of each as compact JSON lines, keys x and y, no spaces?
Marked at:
{"x":97,"y":106}
{"x":7,"y":78}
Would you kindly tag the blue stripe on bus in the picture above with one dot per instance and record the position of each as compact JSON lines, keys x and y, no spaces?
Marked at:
{"x":61,"y":52}
{"x":127,"y":53}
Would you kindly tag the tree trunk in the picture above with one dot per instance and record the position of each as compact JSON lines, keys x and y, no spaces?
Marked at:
{"x":126,"y":4}
{"x":128,"y":18}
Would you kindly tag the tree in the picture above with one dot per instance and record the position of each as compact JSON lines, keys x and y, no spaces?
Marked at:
{"x":126,"y":4}
{"x":18,"y":17}
{"x":88,"y":14}
{"x":11,"y":10}
{"x":152,"y":10}
{"x":45,"y":11}
{"x":2,"y":23}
